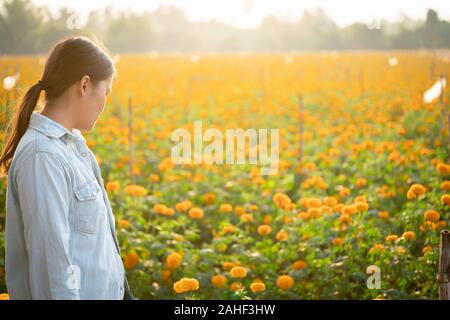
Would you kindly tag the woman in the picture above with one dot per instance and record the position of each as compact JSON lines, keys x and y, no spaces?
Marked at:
{"x":60,"y":232}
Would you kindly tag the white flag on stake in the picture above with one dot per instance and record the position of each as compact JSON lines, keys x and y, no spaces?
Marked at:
{"x":435,"y":91}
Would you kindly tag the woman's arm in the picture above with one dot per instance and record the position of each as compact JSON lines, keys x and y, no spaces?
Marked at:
{"x":44,"y":188}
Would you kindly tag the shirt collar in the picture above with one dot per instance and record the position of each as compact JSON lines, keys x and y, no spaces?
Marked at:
{"x":52,"y":128}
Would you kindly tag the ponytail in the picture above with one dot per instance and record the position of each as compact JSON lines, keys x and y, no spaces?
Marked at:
{"x":18,"y":125}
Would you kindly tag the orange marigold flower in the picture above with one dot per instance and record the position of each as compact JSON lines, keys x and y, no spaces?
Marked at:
{"x":123,"y":223}
{"x":112,"y":186}
{"x":299,"y":265}
{"x":131,"y":260}
{"x":409,"y":235}
{"x":196,"y":213}
{"x":427,"y":249}
{"x":418,"y":189}
{"x":226,"y":207}
{"x":361,"y":182}
{"x":247,"y":217}
{"x":285,"y":282}
{"x":229,"y":229}
{"x":361,"y":206}
{"x":445,"y":185}
{"x":264,"y":229}
{"x":431,"y":215}
{"x":219,"y":280}
{"x":378,"y":247}
{"x":282,"y":236}
{"x":238,"y":272}
{"x":445,"y":199}
{"x":383,"y":215}
{"x":337,"y":241}
{"x":267,"y":219}
{"x":185,"y":285}
{"x":173,"y":260}
{"x":391,"y":238}
{"x":443,"y":168}
{"x":135,"y":190}
{"x":281,"y":200}
{"x":257,"y":286}
{"x":235,"y":286}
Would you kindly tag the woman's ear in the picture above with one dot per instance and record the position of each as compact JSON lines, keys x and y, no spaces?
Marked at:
{"x":84,"y":82}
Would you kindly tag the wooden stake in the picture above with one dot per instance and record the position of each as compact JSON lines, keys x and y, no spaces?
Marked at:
{"x":130,"y":136}
{"x":443,"y":276}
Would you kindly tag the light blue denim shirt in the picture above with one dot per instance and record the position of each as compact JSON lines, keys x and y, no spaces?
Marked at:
{"x":60,"y":230}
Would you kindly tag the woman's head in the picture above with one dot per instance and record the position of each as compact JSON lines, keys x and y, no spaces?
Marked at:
{"x":78,"y":74}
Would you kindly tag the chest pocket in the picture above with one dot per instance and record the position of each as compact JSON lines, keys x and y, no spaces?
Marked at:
{"x":90,"y":209}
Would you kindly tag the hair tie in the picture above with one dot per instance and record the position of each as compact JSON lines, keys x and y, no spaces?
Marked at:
{"x":41,"y":84}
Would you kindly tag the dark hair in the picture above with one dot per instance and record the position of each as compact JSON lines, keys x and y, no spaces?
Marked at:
{"x":70,"y":59}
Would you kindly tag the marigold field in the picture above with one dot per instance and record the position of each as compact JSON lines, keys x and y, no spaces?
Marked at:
{"x":372,"y":186}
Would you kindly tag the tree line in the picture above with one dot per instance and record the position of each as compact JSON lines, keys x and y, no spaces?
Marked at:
{"x":26,"y":28}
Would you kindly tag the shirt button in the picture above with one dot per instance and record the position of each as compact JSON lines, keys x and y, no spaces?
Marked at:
{"x":83,"y":154}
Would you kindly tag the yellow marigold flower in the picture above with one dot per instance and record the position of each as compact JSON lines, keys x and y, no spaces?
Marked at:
{"x":196,"y":213}
{"x":4,"y":296}
{"x":247,"y":217}
{"x":409,"y":235}
{"x":361,"y":182}
{"x":378,"y":247}
{"x":443,"y":168}
{"x":391,"y":238}
{"x":173,"y":260}
{"x":431,"y":215}
{"x":123,"y":223}
{"x":185,"y":285}
{"x":427,"y":249}
{"x":401,"y":250}
{"x":281,"y":200}
{"x":229,"y":229}
{"x":361,"y":206}
{"x":267,"y":219}
{"x":337,"y":241}
{"x":264,"y":229}
{"x":445,"y":199}
{"x":135,"y":190}
{"x":445,"y":185}
{"x":238,"y":272}
{"x":253,"y":207}
{"x":383,"y":215}
{"x":131,"y":260}
{"x":299,"y":265}
{"x":224,"y":208}
{"x":219,"y":280}
{"x":235,"y":286}
{"x":285,"y":282}
{"x":282,"y":236}
{"x":257,"y":286}
{"x":112,"y":186}
{"x":209,"y":198}
{"x":418,"y":189}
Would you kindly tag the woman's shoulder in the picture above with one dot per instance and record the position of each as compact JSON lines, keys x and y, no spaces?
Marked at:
{"x":34,"y":142}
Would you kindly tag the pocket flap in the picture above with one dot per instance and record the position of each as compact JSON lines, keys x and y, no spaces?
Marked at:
{"x":89,"y":191}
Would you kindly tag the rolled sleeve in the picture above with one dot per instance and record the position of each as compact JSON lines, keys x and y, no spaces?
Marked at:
{"x":44,"y":189}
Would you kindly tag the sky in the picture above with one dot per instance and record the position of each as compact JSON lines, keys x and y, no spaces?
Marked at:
{"x":249,"y":13}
